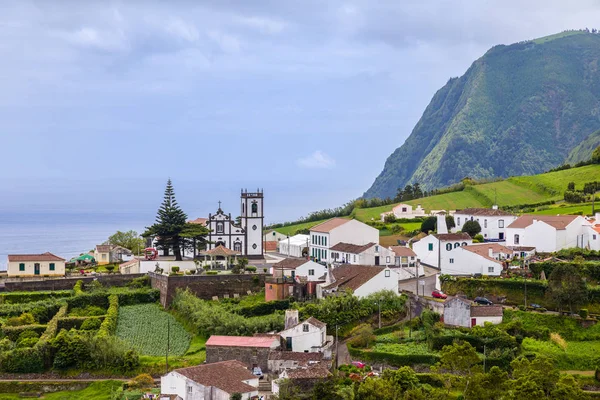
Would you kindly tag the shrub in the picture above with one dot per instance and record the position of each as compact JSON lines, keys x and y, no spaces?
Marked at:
{"x":478,"y":238}
{"x":52,"y":327}
{"x":110,"y":268}
{"x":472,"y":228}
{"x":212,"y":272}
{"x":138,"y":283}
{"x":583,"y":313}
{"x":78,"y":288}
{"x":88,"y":311}
{"x":558,"y":340}
{"x":175,"y":269}
{"x":28,"y":342}
{"x":109,"y":324}
{"x":22,"y":360}
{"x":91,"y":324}
{"x":250,"y":268}
{"x":24,"y":319}
{"x":389,"y":218}
{"x":142,"y":381}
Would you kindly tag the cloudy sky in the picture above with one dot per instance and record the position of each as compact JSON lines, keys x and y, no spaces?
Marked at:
{"x":100,"y":102}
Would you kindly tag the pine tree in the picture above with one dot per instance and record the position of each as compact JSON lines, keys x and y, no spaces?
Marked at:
{"x":170,"y":223}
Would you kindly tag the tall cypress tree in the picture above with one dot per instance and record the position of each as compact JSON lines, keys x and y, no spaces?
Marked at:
{"x":169,"y":224}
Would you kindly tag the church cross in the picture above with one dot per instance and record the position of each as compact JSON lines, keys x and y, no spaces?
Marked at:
{"x":219,"y":204}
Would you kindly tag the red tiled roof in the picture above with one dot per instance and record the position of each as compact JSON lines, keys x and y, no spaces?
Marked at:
{"x":130,"y":262}
{"x":559,"y":222}
{"x":445,"y":237}
{"x":47,"y":256}
{"x":225,"y":375}
{"x":521,"y":248}
{"x":490,"y":212}
{"x":351,"y":248}
{"x":483,"y":250}
{"x":352,"y":276}
{"x":403,"y":251}
{"x":314,"y":372}
{"x":200,"y":221}
{"x":303,"y":358}
{"x":220,"y":250}
{"x":241,"y":341}
{"x":289,"y":263}
{"x":329,"y":225}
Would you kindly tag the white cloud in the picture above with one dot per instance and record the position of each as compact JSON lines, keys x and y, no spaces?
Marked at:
{"x":264,"y":25}
{"x":318,"y":159}
{"x":227,"y":43}
{"x":94,"y":38}
{"x":182,"y":30}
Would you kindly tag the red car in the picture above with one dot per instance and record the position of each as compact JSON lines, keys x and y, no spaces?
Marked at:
{"x":358,"y":364}
{"x":438,"y":294}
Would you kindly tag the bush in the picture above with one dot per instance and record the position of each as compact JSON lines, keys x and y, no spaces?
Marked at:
{"x":250,"y":268}
{"x":174,"y":269}
{"x":389,"y":218}
{"x":138,"y":283}
{"x":478,"y":238}
{"x":28,"y":297}
{"x":91,"y":324}
{"x":142,"y":381}
{"x":583,"y":313}
{"x":89,"y":311}
{"x":212,"y":272}
{"x":22,"y":360}
{"x":52,"y":327}
{"x":264,"y":308}
{"x":15,"y":332}
{"x":23,"y":319}
{"x":110,"y":268}
{"x":472,"y":228}
{"x":109,"y":324}
{"x":78,"y":288}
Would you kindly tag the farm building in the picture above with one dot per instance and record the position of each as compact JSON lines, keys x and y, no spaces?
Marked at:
{"x":253,"y":351}
{"x":462,"y":312}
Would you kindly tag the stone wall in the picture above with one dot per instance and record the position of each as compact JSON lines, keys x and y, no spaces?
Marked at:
{"x":68,"y":283}
{"x":206,"y":286}
{"x":251,"y":356}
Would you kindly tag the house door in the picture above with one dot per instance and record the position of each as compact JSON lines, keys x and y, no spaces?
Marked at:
{"x":376,"y":260}
{"x":473,"y":322}
{"x":36,"y":268}
{"x":288,"y":343}
{"x":501,"y":236}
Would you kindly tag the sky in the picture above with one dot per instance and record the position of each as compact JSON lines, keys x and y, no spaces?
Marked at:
{"x":102,"y":101}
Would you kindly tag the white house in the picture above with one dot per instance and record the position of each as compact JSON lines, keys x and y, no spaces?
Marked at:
{"x":130,"y":267}
{"x":368,"y":254}
{"x":484,"y":259}
{"x":461,"y":312}
{"x":308,"y":336}
{"x":45,"y":264}
{"x":493,"y":221}
{"x":433,"y":249}
{"x":336,"y":230}
{"x":273,"y":236}
{"x":403,"y":256}
{"x":548,"y":233}
{"x":216,"y":381}
{"x":405,"y":211}
{"x":293,"y":267}
{"x":294,"y":246}
{"x":592,"y":233}
{"x":361,"y":280}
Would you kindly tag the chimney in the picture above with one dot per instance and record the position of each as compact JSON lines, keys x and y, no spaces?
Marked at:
{"x":441,"y":223}
{"x":490,"y":252}
{"x":495,"y":207}
{"x":597,"y":218}
{"x":291,"y":318}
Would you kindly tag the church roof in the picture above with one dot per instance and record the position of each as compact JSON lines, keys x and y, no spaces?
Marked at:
{"x":220,"y":250}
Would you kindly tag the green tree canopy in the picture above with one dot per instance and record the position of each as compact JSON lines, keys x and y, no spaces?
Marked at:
{"x":130,"y":240}
{"x":428,"y":224}
{"x":472,"y":228}
{"x":566,"y":286}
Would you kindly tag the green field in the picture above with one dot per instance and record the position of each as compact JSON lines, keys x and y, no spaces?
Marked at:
{"x":144,"y":327}
{"x":292,"y":229}
{"x":509,"y":193}
{"x":568,"y":209}
{"x":578,"y":356}
{"x":103,"y":390}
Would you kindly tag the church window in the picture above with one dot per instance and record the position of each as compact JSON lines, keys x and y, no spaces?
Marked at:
{"x":254,"y":208}
{"x":254,"y":227}
{"x":237,"y":246}
{"x":220,"y":227}
{"x":254,"y":246}
{"x":448,"y":246}
{"x":456,"y":244}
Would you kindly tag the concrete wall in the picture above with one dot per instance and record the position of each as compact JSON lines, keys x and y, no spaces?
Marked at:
{"x":379,"y":282}
{"x":68,"y":283}
{"x":457,"y":313}
{"x":206,"y":286}
{"x":482,"y":320}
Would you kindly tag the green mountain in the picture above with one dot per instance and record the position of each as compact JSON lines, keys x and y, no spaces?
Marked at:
{"x":518,"y":110}
{"x":584,"y":150}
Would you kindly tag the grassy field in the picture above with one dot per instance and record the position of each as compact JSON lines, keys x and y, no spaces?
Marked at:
{"x":292,"y":229}
{"x":509,"y":193}
{"x":103,"y":390}
{"x":566,"y":209}
{"x":578,"y":356}
{"x":144,"y":327}
{"x":555,"y":183}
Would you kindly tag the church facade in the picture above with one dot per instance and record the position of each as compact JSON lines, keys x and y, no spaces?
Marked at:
{"x":245,"y":237}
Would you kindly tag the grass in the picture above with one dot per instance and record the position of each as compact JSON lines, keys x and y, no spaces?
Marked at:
{"x":403,"y":349}
{"x":292,"y":229}
{"x":509,"y":193}
{"x":582,"y":356}
{"x":568,"y":209}
{"x":102,"y":390}
{"x":569,"y":328}
{"x":560,"y":35}
{"x":555,"y":183}
{"x":144,"y":327}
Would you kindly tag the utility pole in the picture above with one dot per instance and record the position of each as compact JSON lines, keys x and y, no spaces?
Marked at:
{"x":337,"y":348}
{"x":484,"y":359}
{"x":525,"y":293}
{"x":168,"y":341}
{"x":380,"y":300}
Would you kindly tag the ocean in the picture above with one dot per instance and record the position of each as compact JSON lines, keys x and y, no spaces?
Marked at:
{"x":63,"y":233}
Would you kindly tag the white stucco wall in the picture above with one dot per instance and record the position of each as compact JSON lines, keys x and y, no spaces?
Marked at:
{"x":429,"y":257}
{"x":353,"y":232}
{"x":305,"y":341}
{"x":379,"y":282}
{"x":13,"y":268}
{"x":457,"y":313}
{"x":459,"y":261}
{"x":593,"y":238}
{"x":150,"y":266}
{"x":545,"y":238}
{"x":480,"y":321}
{"x":493,"y":229}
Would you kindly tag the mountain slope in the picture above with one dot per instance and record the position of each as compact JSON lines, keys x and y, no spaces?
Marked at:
{"x":584,"y":150}
{"x":519,"y":109}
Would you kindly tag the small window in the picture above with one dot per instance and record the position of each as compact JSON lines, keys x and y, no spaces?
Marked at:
{"x":220,"y":227}
{"x":448,"y":246}
{"x":456,"y":245}
{"x":430,"y":247}
{"x":51,"y":266}
{"x":485,"y":223}
{"x":594,"y":237}
{"x":387,"y":273}
{"x":387,"y":259}
{"x":325,"y":254}
{"x":500,"y":223}
{"x":22,"y":267}
{"x":458,"y":221}
{"x":452,"y":261}
{"x":305,"y":328}
{"x":491,"y":269}
{"x":355,"y":258}
{"x":403,"y":209}
{"x":376,"y":249}
{"x":464,"y":244}
{"x":311,"y":272}
{"x":190,"y":389}
{"x":516,"y":239}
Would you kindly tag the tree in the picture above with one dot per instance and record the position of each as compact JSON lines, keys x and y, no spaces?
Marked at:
{"x":571,"y":186}
{"x":417,"y":192}
{"x":130,"y":240}
{"x":596,"y":156}
{"x":429,"y":224}
{"x":404,"y":377}
{"x":236,"y":396}
{"x":377,"y":389}
{"x":461,"y":359}
{"x":171,"y":229}
{"x":566,"y":287}
{"x":362,"y":336}
{"x":450,"y":222}
{"x":472,"y":228}
{"x":490,"y":386}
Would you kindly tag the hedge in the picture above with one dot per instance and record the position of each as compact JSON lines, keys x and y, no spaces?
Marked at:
{"x":52,"y":328}
{"x":23,"y":360}
{"x":436,"y":343}
{"x":139,"y":296}
{"x":127,"y":297}
{"x":69,"y":323}
{"x":394,"y":360}
{"x":264,"y":308}
{"x":13,"y":332}
{"x":44,"y":387}
{"x":28,"y":297}
{"x":109,"y":325}
{"x":49,"y":306}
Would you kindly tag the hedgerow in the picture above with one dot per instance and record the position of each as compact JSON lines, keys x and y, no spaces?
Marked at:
{"x":109,"y":325}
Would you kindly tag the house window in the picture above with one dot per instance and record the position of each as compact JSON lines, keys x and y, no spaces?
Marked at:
{"x":594,"y":237}
{"x":51,"y":266}
{"x":430,"y":247}
{"x":458,"y":221}
{"x":22,"y":267}
{"x":311,"y":272}
{"x":312,"y":238}
{"x":491,"y":269}
{"x":325,"y":254}
{"x":324,"y":240}
{"x":452,"y":261}
{"x":387,"y":273}
{"x":376,"y":249}
{"x":220,"y":227}
{"x":190,"y":389}
{"x":387,"y":259}
{"x":319,"y":240}
{"x":456,"y":245}
{"x":403,"y":209}
{"x":448,"y":246}
{"x":104,"y":256}
{"x":500,"y":223}
{"x":305,"y":328}
{"x":355,"y":258}
{"x":485,"y":223}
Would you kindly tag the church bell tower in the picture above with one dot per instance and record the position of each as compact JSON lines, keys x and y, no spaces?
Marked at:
{"x":252,"y":222}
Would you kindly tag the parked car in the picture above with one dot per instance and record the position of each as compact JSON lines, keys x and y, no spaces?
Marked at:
{"x":438,"y":294}
{"x":535,"y":306}
{"x":257,"y":371}
{"x":358,"y":364}
{"x":483,"y":301}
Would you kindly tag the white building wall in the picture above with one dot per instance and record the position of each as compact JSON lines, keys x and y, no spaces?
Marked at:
{"x":150,"y":266}
{"x":539,"y":235}
{"x":593,"y":238}
{"x":464,"y":262}
{"x":305,"y":341}
{"x":426,"y":254}
{"x":480,"y":321}
{"x":317,"y":269}
{"x":385,"y":280}
{"x":353,"y":232}
{"x":175,"y":383}
{"x":13,"y":268}
{"x":490,"y":225}
{"x":457,"y":313}
{"x":253,"y":225}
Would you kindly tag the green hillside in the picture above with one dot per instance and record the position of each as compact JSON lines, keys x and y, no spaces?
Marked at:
{"x":518,"y":110}
{"x":584,"y":151}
